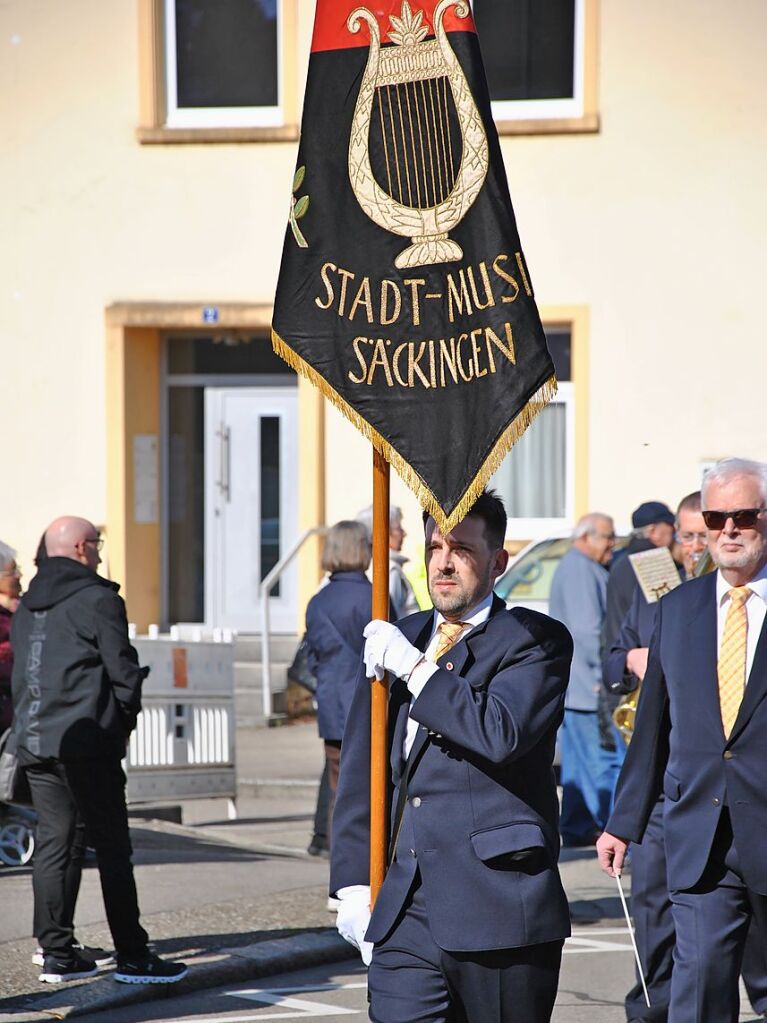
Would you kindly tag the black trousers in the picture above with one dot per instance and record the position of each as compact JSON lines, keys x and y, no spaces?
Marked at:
{"x":333,"y":767}
{"x":412,"y":980}
{"x":68,"y":798}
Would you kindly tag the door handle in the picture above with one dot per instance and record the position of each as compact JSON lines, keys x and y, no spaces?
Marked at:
{"x":225,"y":462}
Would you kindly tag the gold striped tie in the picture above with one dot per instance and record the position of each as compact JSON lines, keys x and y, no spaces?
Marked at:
{"x":731,"y":668}
{"x":449,"y":633}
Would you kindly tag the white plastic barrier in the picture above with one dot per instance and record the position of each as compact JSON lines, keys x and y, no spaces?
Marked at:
{"x":183,"y":744}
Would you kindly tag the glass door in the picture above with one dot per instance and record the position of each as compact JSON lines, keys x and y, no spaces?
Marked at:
{"x":251,"y":503}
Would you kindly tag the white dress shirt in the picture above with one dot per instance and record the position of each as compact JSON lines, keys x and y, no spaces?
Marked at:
{"x":756,"y":610}
{"x":421,"y":674}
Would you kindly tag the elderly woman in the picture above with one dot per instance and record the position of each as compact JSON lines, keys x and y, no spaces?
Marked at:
{"x":403,"y":599}
{"x":10,"y":591}
{"x":335,"y":618}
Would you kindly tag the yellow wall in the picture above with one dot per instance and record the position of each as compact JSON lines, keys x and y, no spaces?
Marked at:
{"x":133,"y":407}
{"x":655,"y":226}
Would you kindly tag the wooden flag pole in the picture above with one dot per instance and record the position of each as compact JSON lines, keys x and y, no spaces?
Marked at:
{"x":379,"y":691}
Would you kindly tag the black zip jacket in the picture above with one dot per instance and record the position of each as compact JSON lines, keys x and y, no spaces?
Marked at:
{"x":76,"y":680}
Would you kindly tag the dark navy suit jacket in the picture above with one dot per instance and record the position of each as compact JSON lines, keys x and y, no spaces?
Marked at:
{"x":481,"y":820}
{"x":679,"y":746}
{"x":636,"y":631}
{"x":335,"y":618}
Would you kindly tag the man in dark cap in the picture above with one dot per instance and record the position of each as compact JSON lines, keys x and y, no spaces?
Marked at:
{"x":653,"y":525}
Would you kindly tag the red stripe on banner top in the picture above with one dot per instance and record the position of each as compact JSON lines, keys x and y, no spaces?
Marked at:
{"x":331,"y":31}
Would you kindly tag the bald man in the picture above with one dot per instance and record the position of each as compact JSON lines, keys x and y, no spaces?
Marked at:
{"x":77,"y":694}
{"x":578,"y":600}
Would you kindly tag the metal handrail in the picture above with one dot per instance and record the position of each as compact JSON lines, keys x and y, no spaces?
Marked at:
{"x":267,"y":583}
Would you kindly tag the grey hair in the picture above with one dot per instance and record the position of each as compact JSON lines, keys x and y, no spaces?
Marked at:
{"x":732,"y":468}
{"x":347,"y":548}
{"x":366,"y":517}
{"x":587,"y":524}
{"x":7,"y":554}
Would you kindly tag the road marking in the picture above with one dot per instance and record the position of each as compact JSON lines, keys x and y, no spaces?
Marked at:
{"x":584,"y":942}
{"x":301,"y":1008}
{"x":585,"y":945}
{"x":358,"y":985}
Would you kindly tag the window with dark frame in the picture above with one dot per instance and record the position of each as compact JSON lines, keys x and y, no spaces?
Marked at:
{"x":528,"y":47}
{"x":534,"y":57}
{"x":223,"y":63}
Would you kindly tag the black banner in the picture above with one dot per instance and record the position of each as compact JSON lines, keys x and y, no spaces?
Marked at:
{"x":403,"y":291}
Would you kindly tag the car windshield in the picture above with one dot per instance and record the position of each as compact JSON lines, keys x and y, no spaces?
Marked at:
{"x":530,"y":578}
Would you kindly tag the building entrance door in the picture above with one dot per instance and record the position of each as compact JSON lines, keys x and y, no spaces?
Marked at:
{"x":251,"y":503}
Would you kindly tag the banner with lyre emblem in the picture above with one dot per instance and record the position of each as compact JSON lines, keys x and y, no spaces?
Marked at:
{"x":403,"y":292}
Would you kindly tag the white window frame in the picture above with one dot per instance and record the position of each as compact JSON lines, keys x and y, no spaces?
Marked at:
{"x":219,"y":117}
{"x":553,"y":109}
{"x":539,"y":528}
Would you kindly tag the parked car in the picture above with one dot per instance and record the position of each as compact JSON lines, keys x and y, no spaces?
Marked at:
{"x":527,"y":580}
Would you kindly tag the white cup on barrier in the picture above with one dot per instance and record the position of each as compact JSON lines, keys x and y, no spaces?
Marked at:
{"x":153,"y":632}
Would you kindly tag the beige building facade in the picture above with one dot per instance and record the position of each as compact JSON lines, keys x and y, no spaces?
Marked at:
{"x":141,"y":250}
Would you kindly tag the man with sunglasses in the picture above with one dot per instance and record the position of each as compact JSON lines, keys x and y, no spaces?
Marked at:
{"x":700,"y":740}
{"x":77,"y":694}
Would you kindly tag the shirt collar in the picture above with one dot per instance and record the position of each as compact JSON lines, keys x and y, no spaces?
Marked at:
{"x":477,"y":616}
{"x":757,"y":585}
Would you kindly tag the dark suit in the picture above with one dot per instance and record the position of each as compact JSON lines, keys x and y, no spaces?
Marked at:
{"x":650,"y":903}
{"x":715,"y":809}
{"x":476,"y":863}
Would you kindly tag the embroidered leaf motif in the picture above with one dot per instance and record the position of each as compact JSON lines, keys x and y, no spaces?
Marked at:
{"x":298,"y":208}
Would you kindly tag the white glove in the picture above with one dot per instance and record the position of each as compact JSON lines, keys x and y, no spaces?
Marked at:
{"x":386,"y":649}
{"x":353,"y":917}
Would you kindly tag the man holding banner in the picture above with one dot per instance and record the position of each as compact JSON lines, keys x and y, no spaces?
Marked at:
{"x":472,"y":912}
{"x":405,"y":297}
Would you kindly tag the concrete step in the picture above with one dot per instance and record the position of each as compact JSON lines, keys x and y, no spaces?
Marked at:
{"x":281,"y":648}
{"x":249,"y":707}
{"x":279,"y":788}
{"x":249,"y":675}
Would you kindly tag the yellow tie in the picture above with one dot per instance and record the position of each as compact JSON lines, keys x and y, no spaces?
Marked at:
{"x":731,"y":668}
{"x":449,"y":633}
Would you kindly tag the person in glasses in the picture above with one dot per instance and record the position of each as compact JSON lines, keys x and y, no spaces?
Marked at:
{"x":699,"y":740}
{"x":77,"y":694}
{"x":624,"y":667}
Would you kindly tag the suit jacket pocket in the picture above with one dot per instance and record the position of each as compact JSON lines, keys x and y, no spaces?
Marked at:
{"x":518,"y":845}
{"x":672,"y":787}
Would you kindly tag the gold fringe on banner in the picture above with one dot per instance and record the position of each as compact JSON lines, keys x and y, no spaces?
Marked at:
{"x":425,"y":497}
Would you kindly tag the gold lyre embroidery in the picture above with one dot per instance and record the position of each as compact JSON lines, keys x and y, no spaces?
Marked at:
{"x":428,"y":195}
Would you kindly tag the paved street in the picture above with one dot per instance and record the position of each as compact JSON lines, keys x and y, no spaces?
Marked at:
{"x":589,"y":992}
{"x":242,"y":903}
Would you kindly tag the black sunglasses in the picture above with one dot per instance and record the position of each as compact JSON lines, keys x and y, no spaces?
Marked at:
{"x":743,"y":518}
